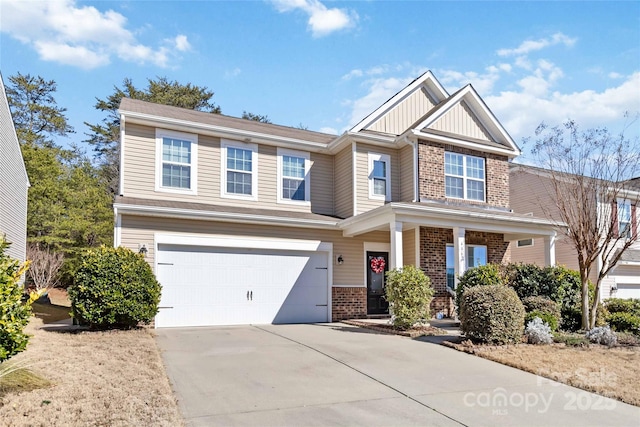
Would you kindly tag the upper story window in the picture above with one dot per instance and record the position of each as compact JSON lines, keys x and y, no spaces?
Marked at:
{"x":624,"y":218}
{"x":176,"y":164}
{"x":293,"y":176}
{"x":379,"y":176}
{"x":464,"y":176}
{"x":239,"y":170}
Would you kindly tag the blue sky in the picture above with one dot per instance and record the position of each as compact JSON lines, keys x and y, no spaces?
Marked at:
{"x":326,"y":64}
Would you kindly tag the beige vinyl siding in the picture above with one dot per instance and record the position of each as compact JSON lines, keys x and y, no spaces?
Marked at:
{"x":405,"y":114}
{"x":343,"y":183}
{"x":14,"y":185}
{"x":140,"y":174}
{"x":461,"y":121}
{"x":321,"y":185}
{"x":409,"y":247}
{"x":407,"y":175}
{"x":141,"y":229}
{"x":365,"y":204}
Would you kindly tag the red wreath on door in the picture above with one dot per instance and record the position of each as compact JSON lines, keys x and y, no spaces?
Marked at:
{"x":377,"y":265}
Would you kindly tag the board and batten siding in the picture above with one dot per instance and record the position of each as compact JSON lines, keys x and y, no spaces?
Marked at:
{"x":140,"y":174}
{"x":403,"y":115}
{"x":343,"y":183}
{"x":364,"y":203}
{"x":407,"y":174}
{"x":461,"y":121}
{"x":14,"y":184}
{"x":141,"y":229}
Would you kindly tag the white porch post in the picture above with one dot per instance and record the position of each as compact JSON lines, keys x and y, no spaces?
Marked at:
{"x":550,"y":250}
{"x":459,"y":251}
{"x":395,"y":257}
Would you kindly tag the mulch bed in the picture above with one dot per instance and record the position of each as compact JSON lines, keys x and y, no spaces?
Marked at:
{"x":416,"y":331}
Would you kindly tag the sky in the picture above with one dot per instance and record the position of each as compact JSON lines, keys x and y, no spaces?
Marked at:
{"x":326,"y":65}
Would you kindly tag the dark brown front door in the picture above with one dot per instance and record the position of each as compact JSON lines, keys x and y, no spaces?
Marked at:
{"x":377,"y":265}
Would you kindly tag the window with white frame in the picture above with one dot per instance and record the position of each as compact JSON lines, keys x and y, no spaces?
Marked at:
{"x":379,"y":176}
{"x":476,"y":256}
{"x":239,"y":170}
{"x":624,"y":218}
{"x":176,"y":155}
{"x":524,"y":243}
{"x":464,"y":176}
{"x":293,"y":176}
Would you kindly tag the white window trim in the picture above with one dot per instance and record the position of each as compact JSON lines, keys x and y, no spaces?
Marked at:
{"x":486,"y":251}
{"x":193,"y":138}
{"x":307,"y":167}
{"x":224,"y":144}
{"x":384,"y":158}
{"x":465,"y":177}
{"x":523,"y":245}
{"x":631,"y":219}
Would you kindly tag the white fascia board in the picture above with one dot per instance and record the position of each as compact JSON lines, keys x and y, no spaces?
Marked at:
{"x":349,"y":137}
{"x":223,"y":216}
{"x":398,"y":97}
{"x":465,"y":144}
{"x":232,"y":241}
{"x":225,"y":132}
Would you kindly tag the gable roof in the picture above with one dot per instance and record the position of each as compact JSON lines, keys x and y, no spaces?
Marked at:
{"x":10,"y":147}
{"x":432,"y":91}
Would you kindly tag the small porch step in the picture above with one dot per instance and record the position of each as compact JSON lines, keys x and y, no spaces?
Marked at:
{"x":378,"y":316}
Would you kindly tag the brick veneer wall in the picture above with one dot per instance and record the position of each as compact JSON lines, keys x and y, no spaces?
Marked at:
{"x":348,"y":303}
{"x":431,"y":174}
{"x":433,"y":259}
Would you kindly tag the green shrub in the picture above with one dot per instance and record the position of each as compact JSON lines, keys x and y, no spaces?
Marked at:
{"x":492,"y":313}
{"x":14,"y":313}
{"x":114,"y":287}
{"x":619,"y":305}
{"x":546,"y":317}
{"x":624,"y":322}
{"x":409,"y":293}
{"x":542,"y":304}
{"x":484,"y":275}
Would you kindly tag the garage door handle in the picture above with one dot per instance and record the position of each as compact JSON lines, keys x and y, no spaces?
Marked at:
{"x":249,"y":295}
{"x":164,"y":307}
{"x":321,"y":305}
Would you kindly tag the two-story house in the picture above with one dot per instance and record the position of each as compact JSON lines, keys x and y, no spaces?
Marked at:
{"x":247,"y":222}
{"x":14,"y":184}
{"x":532,"y":193}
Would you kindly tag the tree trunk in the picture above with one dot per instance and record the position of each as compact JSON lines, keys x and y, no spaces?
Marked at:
{"x":585,"y":303}
{"x":594,"y":307}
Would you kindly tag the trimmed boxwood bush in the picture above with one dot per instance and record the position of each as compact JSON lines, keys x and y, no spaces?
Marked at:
{"x":624,"y":322}
{"x":619,"y":305}
{"x":114,"y":287}
{"x":14,"y":313}
{"x":484,"y":275}
{"x":544,"y":308}
{"x":492,"y":314}
{"x":409,"y":293}
{"x":549,"y":319}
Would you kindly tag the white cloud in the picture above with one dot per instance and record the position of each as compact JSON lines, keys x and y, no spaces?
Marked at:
{"x":82,"y":36}
{"x":322,"y":20}
{"x":229,"y":74}
{"x":614,"y":75}
{"x":353,"y":73}
{"x":379,"y":91}
{"x":483,"y":83}
{"x":533,"y":45}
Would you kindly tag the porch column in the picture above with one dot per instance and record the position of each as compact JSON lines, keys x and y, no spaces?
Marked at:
{"x":550,"y":250}
{"x":459,"y":251}
{"x":395,"y":257}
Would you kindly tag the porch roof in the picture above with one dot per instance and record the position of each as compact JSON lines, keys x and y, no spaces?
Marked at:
{"x":433,"y":214}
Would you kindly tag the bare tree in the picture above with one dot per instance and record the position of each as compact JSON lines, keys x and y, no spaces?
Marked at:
{"x":45,"y":265}
{"x":589,"y":177}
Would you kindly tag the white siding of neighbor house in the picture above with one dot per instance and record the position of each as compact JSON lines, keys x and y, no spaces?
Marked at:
{"x":343,"y":183}
{"x":14,"y":184}
{"x":365,"y":204}
{"x":461,"y":121}
{"x":141,"y":229}
{"x":405,"y":114}
{"x":140,"y":174}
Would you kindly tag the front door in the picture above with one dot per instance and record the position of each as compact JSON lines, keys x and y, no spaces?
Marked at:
{"x":377,"y":266}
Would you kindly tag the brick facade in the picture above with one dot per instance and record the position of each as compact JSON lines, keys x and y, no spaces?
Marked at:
{"x":433,"y":258}
{"x":431,"y":174}
{"x":348,"y":303}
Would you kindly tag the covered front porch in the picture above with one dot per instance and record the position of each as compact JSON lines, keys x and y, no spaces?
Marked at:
{"x":444,"y":240}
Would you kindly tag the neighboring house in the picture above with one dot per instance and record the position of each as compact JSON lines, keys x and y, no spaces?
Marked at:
{"x":247,"y":222}
{"x":14,"y":184}
{"x":530,"y":194}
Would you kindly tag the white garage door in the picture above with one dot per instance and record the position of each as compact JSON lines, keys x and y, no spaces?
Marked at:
{"x":204,"y":286}
{"x":628,"y":291}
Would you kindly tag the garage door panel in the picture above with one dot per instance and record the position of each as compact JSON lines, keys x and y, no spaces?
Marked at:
{"x":628,"y":291}
{"x":208,"y":286}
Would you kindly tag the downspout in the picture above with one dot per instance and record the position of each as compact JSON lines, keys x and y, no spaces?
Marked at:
{"x":354,"y":176}
{"x":117,"y":229}
{"x":121,"y":171}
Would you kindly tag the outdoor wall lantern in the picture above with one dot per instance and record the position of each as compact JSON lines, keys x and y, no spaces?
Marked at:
{"x":142,"y":249}
{"x":340,"y":260}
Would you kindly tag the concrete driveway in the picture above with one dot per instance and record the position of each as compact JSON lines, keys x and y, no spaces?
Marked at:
{"x":334,"y":374}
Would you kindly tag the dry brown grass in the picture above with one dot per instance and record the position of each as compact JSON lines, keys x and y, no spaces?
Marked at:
{"x":108,"y":378}
{"x":612,"y":372}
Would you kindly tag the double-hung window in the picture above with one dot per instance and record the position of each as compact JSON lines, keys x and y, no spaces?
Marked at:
{"x":379,"y":176}
{"x":239,"y":170}
{"x":464,"y":176}
{"x":624,"y":218}
{"x":476,"y":256}
{"x":293,"y":176}
{"x":176,"y":155}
